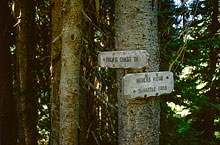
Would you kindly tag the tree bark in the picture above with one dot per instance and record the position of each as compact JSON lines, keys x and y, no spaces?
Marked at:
{"x":136,"y":29}
{"x":70,"y":68}
{"x":25,"y":46}
{"x":56,"y":45}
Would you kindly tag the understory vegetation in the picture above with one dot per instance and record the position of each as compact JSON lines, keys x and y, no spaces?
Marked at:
{"x":189,"y":43}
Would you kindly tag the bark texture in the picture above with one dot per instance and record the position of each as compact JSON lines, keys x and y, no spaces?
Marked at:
{"x":70,"y":68}
{"x":25,"y":46}
{"x":56,"y":45}
{"x":136,"y":29}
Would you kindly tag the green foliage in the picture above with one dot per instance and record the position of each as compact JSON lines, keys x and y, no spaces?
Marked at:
{"x":196,"y":71}
{"x":196,"y":74}
{"x":42,"y":68}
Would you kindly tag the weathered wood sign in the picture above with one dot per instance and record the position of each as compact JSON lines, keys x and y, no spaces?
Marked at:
{"x":123,"y":59}
{"x":147,"y":84}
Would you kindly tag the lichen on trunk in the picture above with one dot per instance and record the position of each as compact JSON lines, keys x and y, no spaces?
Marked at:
{"x":70,"y":68}
{"x":136,"y":29}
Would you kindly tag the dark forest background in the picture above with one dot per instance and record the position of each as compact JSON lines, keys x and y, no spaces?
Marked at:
{"x":189,"y":43}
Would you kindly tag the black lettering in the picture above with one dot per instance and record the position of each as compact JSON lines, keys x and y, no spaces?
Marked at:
{"x":162,"y":88}
{"x":135,"y":59}
{"x":145,"y":90}
{"x":125,"y":59}
{"x":116,"y":59}
{"x":143,"y":80}
{"x":158,"y":78}
{"x":111,"y":59}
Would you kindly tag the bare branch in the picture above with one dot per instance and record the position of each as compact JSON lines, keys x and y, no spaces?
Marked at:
{"x":93,"y":134}
{"x":100,"y":94}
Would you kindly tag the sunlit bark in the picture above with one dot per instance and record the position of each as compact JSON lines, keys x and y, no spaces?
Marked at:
{"x":70,"y":68}
{"x":136,"y":28}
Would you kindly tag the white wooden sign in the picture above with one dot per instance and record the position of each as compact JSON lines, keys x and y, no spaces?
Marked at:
{"x":147,"y":84}
{"x":123,"y":59}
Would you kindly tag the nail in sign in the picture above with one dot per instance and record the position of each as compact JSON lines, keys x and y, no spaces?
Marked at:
{"x":147,"y":84}
{"x":123,"y":59}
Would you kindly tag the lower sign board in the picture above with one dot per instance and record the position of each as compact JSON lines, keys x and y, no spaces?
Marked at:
{"x":147,"y":84}
{"x":123,"y":59}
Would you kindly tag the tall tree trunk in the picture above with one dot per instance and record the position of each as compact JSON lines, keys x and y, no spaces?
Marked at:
{"x":55,"y":70}
{"x":70,"y":68}
{"x":25,"y":46}
{"x":8,"y":125}
{"x":209,"y":111}
{"x":136,"y":28}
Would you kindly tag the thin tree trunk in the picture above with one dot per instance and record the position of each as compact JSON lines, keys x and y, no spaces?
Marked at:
{"x":136,"y":28}
{"x":209,"y":111}
{"x":55,"y":70}
{"x":25,"y":46}
{"x":70,"y":69}
{"x":8,"y":125}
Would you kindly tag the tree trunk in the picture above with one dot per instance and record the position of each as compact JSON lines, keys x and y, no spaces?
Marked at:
{"x":25,"y":46}
{"x":136,"y":29}
{"x":8,"y":124}
{"x":55,"y":70}
{"x":70,"y":68}
{"x":209,"y":111}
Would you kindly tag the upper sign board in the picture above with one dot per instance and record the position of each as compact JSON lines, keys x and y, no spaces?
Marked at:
{"x":147,"y":84}
{"x":123,"y":59}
